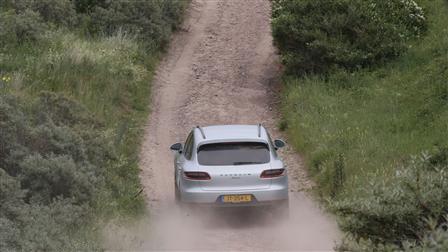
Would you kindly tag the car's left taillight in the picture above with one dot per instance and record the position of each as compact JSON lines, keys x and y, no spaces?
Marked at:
{"x":273,"y":173}
{"x":195,"y":175}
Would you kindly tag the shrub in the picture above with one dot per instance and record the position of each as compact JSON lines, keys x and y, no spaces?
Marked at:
{"x":58,"y":176}
{"x":61,"y":13}
{"x":436,"y":239}
{"x":395,"y":208}
{"x":377,"y":118}
{"x":152,"y":21}
{"x":318,"y":35}
{"x":84,"y":6}
{"x":19,"y":28}
{"x":64,"y":167}
{"x":52,"y":165}
{"x":11,"y":202}
{"x":58,"y":12}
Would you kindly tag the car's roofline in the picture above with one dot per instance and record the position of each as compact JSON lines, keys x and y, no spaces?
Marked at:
{"x":236,"y":140}
{"x":233,"y":132}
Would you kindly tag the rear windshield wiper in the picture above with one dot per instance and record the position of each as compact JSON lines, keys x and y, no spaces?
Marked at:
{"x":243,"y":163}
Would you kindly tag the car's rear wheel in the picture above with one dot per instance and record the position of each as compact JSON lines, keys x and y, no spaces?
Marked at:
{"x":176,"y":194}
{"x":180,"y":205}
{"x":183,"y":207}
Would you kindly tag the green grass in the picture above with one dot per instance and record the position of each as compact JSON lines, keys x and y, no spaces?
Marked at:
{"x":359,"y":130}
{"x":75,"y":89}
{"x":111,"y":77}
{"x":375,"y":118}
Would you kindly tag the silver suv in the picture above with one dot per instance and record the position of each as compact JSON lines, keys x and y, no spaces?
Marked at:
{"x":230,"y":165}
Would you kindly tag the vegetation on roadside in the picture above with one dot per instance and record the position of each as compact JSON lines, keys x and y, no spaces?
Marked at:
{"x":74,"y":90}
{"x":318,"y":36}
{"x":366,"y":102}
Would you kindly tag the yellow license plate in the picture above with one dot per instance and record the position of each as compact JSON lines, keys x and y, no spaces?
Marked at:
{"x":237,"y":198}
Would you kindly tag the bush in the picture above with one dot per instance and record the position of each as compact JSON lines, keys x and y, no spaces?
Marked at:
{"x":152,"y":21}
{"x":376,"y":119}
{"x":58,"y":176}
{"x":51,"y":171}
{"x":85,"y":6}
{"x":65,"y":168}
{"x":60,"y":13}
{"x":19,"y":28}
{"x":436,"y":239}
{"x":395,"y":208}
{"x":318,"y":35}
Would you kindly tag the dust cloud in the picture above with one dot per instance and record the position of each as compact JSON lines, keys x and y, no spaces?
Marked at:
{"x":226,"y":229}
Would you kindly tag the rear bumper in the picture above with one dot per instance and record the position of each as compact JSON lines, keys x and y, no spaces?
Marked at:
{"x":265,"y":197}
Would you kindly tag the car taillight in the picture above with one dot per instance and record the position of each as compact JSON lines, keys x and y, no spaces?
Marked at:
{"x":197,"y":175}
{"x":273,"y":173}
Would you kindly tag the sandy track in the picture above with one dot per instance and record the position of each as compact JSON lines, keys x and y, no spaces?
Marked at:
{"x":221,"y":69}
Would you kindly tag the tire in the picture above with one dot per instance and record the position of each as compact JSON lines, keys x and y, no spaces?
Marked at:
{"x":184,"y":208}
{"x":177,"y":198}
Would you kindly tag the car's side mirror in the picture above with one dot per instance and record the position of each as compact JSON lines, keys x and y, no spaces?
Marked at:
{"x":279,"y":144}
{"x":176,"y":147}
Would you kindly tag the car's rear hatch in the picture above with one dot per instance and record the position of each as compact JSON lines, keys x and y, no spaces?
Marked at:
{"x":235,"y":178}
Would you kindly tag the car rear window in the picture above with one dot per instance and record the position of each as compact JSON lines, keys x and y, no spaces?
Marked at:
{"x":239,"y":153}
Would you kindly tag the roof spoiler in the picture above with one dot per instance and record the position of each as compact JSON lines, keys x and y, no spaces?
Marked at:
{"x":202,"y":131}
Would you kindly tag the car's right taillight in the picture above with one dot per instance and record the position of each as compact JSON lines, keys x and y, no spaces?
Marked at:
{"x":194,"y":175}
{"x":273,"y":173}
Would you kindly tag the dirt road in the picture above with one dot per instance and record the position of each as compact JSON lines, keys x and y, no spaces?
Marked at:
{"x":221,"y":68}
